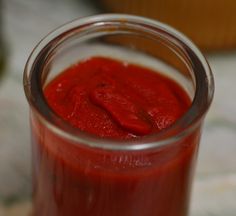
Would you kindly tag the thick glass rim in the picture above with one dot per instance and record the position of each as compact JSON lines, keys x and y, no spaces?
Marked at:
{"x":182,"y":127}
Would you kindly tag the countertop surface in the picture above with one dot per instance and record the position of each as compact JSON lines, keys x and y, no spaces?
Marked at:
{"x":25,"y":23}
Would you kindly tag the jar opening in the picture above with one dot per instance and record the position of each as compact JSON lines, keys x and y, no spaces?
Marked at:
{"x":110,"y":25}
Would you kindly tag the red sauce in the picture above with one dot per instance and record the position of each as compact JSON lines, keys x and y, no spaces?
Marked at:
{"x":112,"y":99}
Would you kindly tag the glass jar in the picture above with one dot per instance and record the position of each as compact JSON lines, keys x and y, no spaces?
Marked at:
{"x":76,"y":173}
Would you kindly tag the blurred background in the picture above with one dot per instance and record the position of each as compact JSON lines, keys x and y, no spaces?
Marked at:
{"x":211,"y":24}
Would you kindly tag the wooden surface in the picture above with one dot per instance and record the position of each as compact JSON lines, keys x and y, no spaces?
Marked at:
{"x":25,"y":23}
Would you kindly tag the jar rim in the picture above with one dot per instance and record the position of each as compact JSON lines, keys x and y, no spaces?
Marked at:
{"x":187,"y":123}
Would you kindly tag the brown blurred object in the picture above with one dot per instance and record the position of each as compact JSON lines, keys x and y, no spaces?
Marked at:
{"x":211,"y":24}
{"x":18,"y":209}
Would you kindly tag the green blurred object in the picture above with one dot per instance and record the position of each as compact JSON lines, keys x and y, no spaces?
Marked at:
{"x":2,"y":50}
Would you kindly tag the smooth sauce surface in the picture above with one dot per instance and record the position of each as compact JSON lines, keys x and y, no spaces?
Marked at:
{"x":113,"y":99}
